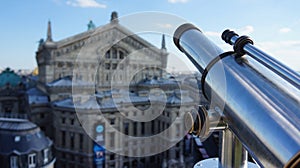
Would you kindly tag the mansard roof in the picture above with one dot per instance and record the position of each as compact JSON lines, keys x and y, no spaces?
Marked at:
{"x":157,"y":82}
{"x":36,"y":96}
{"x":105,"y":100}
{"x":66,"y":103}
{"x":21,"y":136}
{"x":68,"y":82}
{"x":13,"y":124}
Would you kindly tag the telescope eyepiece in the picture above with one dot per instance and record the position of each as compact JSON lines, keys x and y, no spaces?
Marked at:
{"x":227,"y":35}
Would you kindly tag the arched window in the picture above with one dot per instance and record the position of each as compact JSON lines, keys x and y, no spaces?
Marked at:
{"x":115,"y":53}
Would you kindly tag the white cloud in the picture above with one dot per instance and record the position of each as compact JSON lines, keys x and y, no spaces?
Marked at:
{"x":212,"y":34}
{"x":85,"y":4}
{"x":241,"y":31}
{"x":178,"y":1}
{"x":245,"y":30}
{"x":284,"y":30}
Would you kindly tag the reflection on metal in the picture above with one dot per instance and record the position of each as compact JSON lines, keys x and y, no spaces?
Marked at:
{"x":199,"y":122}
{"x":233,"y":154}
{"x":277,"y":67}
{"x":257,"y":97}
{"x":213,"y":163}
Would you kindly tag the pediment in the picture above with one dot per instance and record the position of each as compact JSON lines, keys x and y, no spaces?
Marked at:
{"x":94,"y":43}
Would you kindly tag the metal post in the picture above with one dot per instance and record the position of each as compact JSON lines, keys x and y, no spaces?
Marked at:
{"x":232,"y":153}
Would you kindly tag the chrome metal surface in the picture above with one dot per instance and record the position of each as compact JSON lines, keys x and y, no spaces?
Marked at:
{"x":271,"y":63}
{"x":264,"y":117}
{"x":203,"y":45}
{"x":214,"y":162}
{"x":232,"y":153}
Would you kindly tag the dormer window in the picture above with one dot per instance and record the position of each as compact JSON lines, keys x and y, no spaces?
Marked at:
{"x":32,"y":160}
{"x":14,"y":162}
{"x":17,"y":138}
{"x":46,"y":155}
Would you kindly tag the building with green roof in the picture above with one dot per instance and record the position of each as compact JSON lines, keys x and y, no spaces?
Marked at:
{"x":9,"y":77}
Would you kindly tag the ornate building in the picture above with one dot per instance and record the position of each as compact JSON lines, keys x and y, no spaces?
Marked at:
{"x":24,"y":145}
{"x":99,"y":54}
{"x":95,"y":90}
{"x":12,"y":93}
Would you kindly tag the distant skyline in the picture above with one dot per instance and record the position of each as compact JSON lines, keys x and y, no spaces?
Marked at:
{"x":273,"y":25}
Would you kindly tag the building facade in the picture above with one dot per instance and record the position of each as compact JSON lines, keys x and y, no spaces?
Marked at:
{"x":94,"y":92}
{"x":12,"y":93}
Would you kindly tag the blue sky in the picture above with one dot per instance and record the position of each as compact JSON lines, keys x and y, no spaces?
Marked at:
{"x":273,"y":25}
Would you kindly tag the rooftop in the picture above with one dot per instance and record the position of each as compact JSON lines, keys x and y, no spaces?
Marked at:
{"x":21,"y":136}
{"x":14,"y":124}
{"x":9,"y":77}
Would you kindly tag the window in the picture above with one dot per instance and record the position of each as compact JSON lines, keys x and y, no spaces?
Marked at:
{"x":17,"y":138}
{"x":121,"y":55}
{"x":158,"y":124}
{"x":81,"y":159}
{"x":152,"y":127}
{"x":46,"y":155}
{"x":143,"y":128}
{"x":63,"y":138}
{"x":134,"y":128}
{"x":112,"y":139}
{"x":32,"y":160}
{"x":40,"y":134}
{"x":177,"y":154}
{"x":60,"y":64}
{"x":72,"y":139}
{"x":107,"y":65}
{"x":114,"y":54}
{"x":81,"y":141}
{"x":107,"y":55}
{"x":14,"y":162}
{"x":112,"y":157}
{"x":112,"y":121}
{"x":63,"y":120}
{"x":72,"y":121}
{"x":28,"y":137}
{"x":126,"y":128}
{"x":114,"y":66}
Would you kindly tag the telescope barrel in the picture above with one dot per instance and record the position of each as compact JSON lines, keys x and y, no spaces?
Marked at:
{"x":263,"y":116}
{"x":277,"y":67}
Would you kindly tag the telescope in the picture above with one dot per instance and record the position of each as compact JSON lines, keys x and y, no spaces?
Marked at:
{"x":257,"y":97}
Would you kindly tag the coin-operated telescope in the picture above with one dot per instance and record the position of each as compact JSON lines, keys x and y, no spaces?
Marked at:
{"x":257,"y":97}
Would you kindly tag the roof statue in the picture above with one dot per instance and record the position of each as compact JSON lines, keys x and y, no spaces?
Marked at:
{"x":91,"y":25}
{"x":41,"y":42}
{"x":114,"y":17}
